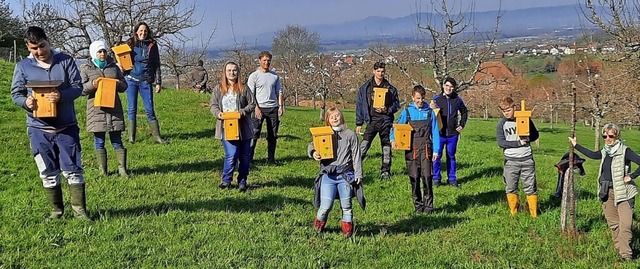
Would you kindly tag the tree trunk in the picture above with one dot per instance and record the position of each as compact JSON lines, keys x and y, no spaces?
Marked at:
{"x":596,"y":131}
{"x":323,"y":108}
{"x":568,"y":204}
{"x":551,"y":118}
{"x":295,"y":97}
{"x":313,"y":100}
{"x":177,"y":80}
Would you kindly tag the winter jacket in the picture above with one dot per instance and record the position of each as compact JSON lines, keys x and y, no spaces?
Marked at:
{"x":364,"y":102}
{"x":246,"y":103}
{"x":63,"y":68}
{"x":146,"y":61}
{"x":415,"y":114}
{"x":621,"y":190}
{"x":102,"y":119}
{"x":199,"y":76}
{"x":453,"y":113}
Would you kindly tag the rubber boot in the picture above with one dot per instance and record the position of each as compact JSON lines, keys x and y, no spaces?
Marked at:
{"x":532,"y":200}
{"x":512,"y":200}
{"x":79,"y":201}
{"x":318,"y":226}
{"x":347,"y":228}
{"x":54,"y":196}
{"x":132,"y":131}
{"x":155,"y":131}
{"x":121,"y":156}
{"x":101,"y":158}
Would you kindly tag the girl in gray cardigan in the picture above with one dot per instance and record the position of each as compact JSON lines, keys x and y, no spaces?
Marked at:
{"x":340,"y":174}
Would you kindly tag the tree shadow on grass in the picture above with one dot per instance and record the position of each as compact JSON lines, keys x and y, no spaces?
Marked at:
{"x":281,"y":161}
{"x":288,"y":181}
{"x":483,"y":172}
{"x":198,"y":166}
{"x":165,"y":168}
{"x":250,"y":204}
{"x":554,"y":202}
{"x":412,"y":225}
{"x":481,"y":138}
{"x":464,"y":202}
{"x":206,"y":133}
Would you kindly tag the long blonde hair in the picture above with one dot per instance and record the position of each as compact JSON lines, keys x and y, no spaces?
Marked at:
{"x":238,"y":87}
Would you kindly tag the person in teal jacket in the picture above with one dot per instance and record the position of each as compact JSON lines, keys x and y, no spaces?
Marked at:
{"x":425,"y":142}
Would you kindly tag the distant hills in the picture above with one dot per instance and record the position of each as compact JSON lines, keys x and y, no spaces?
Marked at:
{"x":558,"y":20}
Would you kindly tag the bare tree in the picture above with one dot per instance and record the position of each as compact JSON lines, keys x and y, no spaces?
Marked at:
{"x":618,"y":19}
{"x":294,"y":45}
{"x":74,"y":24}
{"x":178,"y":58}
{"x":568,"y":203}
{"x":10,"y":25}
{"x":452,"y":33}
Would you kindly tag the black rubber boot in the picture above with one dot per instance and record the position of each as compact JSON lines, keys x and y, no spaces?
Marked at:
{"x":54,"y":196}
{"x":79,"y":201}
{"x":101,"y":158}
{"x":132,"y":131}
{"x":121,"y":156}
{"x":155,"y":131}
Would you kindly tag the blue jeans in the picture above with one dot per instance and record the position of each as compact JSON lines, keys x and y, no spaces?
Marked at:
{"x":452,"y":145}
{"x":234,"y":151}
{"x":330,"y":185}
{"x":114,"y":137}
{"x":144,"y":88}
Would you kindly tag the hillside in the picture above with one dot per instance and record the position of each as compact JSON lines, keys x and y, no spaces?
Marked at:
{"x":171,"y":214}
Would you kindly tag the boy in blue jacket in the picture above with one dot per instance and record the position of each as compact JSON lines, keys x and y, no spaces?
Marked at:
{"x":55,"y":141}
{"x":425,"y":142}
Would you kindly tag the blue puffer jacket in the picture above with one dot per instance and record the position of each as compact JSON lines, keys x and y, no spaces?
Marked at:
{"x":62,"y":68}
{"x":422,"y":113}
{"x":363,"y":103}
{"x":146,"y":61}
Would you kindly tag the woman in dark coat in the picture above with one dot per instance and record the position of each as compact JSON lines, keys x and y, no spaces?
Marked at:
{"x":101,"y":120}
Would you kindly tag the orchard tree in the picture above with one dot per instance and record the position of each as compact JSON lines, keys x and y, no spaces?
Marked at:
{"x":10,"y":25}
{"x":73,"y":25}
{"x":294,"y":46}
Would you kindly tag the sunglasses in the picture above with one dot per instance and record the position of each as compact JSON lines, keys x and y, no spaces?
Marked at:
{"x":102,"y":51}
{"x":604,"y":136}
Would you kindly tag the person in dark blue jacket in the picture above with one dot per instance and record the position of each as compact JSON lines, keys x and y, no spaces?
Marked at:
{"x":55,"y":141}
{"x":425,"y":140}
{"x":378,"y":120}
{"x":453,"y":115}
{"x":145,"y":73}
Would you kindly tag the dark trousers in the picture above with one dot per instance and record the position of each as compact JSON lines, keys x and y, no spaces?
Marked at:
{"x":55,"y":153}
{"x":270,"y":115}
{"x":384,"y":129}
{"x":419,"y":170}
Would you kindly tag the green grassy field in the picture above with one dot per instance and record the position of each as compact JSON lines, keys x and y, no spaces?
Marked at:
{"x":171,"y":213}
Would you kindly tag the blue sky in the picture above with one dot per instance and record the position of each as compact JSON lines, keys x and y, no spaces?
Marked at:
{"x":251,"y":17}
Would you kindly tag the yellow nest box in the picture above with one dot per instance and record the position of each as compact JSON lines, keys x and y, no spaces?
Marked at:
{"x":231,"y":125}
{"x":39,"y":91}
{"x":123,"y":56}
{"x":379,"y":97}
{"x":522,"y":120}
{"x":323,"y":141}
{"x":403,"y":136}
{"x":437,"y":112}
{"x":106,"y":93}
